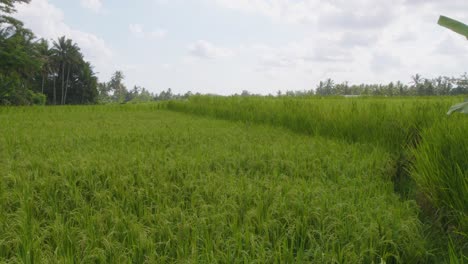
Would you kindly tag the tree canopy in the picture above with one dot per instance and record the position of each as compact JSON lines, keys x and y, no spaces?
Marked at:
{"x":34,"y":72}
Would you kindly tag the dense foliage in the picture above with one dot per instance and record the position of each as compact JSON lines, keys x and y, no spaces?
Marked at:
{"x":34,"y":72}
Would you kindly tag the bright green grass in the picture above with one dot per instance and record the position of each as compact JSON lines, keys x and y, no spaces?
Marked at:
{"x":128,"y":184}
{"x":392,"y":123}
{"x":441,"y":171}
{"x":412,"y":130}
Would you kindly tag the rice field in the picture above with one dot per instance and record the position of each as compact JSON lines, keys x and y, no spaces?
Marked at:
{"x":235,"y":180}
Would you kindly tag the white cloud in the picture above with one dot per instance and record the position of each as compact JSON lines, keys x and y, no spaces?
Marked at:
{"x":136,"y":29}
{"x":93,"y":5}
{"x":206,"y":50}
{"x":375,"y":40}
{"x":47,"y":21}
{"x":384,"y":62}
{"x":356,"y":39}
{"x":452,"y":47}
{"x":139,"y":31}
{"x":158,"y":33}
{"x":336,"y":13}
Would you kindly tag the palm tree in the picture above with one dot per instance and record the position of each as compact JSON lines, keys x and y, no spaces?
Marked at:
{"x":67,"y":54}
{"x":329,"y":86}
{"x":60,"y":53}
{"x":45,"y":54}
{"x":416,"y":79}
{"x":75,"y":62}
{"x":89,"y":87}
{"x":117,"y":86}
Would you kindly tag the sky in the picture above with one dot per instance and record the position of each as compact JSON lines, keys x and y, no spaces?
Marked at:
{"x":263,"y":46}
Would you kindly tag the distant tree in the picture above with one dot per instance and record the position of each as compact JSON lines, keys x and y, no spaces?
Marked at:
{"x":103,"y":93}
{"x":401,"y":88}
{"x":341,"y":89}
{"x":118,"y":88}
{"x":320,"y":88}
{"x":461,"y":85}
{"x":133,"y":93}
{"x":187,"y":95}
{"x":245,"y":93}
{"x":329,"y":86}
{"x":428,"y":87}
{"x":417,"y":87}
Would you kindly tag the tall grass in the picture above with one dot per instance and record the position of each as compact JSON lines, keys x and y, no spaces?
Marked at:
{"x":441,"y":170}
{"x":411,"y":129}
{"x":392,"y":123}
{"x":131,"y":184}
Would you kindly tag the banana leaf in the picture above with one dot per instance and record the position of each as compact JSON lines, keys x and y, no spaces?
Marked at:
{"x":454,"y":25}
{"x":460,"y":108}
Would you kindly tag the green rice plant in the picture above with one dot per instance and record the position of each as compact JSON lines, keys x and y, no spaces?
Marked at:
{"x":120,"y":184}
{"x":440,"y":170}
{"x":390,"y":123}
{"x":455,"y":257}
{"x":401,"y":126}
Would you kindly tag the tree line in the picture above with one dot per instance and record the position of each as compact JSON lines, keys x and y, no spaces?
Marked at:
{"x":419,"y":86}
{"x":39,"y":71}
{"x":115,"y":91}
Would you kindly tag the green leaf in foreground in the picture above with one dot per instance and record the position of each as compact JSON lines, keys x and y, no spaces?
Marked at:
{"x":461,"y":108}
{"x":454,"y":25}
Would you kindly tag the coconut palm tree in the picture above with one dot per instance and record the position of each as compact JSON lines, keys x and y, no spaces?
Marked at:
{"x":67,"y":53}
{"x":45,"y":54}
{"x":60,"y":54}
{"x":75,"y":63}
